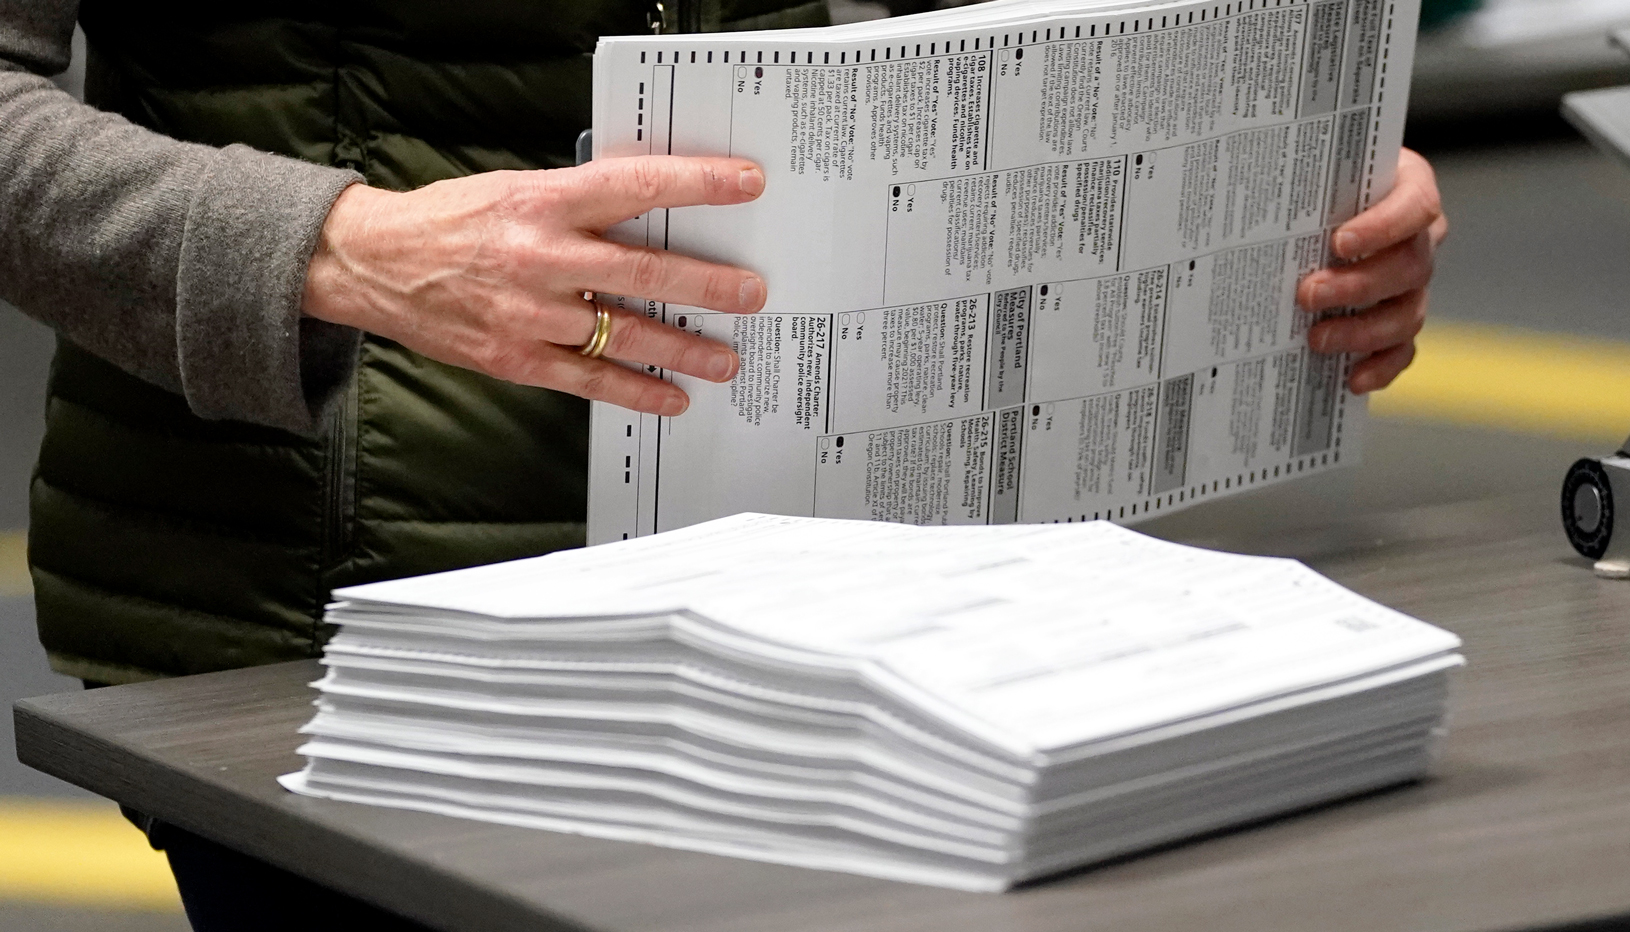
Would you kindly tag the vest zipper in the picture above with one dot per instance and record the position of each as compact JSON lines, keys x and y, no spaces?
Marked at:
{"x":675,"y":16}
{"x":339,"y":482}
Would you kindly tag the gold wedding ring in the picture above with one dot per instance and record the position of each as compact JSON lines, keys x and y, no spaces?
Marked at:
{"x":602,"y":333}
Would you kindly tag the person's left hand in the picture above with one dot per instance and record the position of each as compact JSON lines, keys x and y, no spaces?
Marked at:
{"x":1389,"y":248}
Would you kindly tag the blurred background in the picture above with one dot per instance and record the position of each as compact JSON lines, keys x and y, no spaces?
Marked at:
{"x":1524,"y":367}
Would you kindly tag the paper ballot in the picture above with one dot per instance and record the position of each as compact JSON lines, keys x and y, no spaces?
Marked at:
{"x":970,"y":706}
{"x":1028,"y":261}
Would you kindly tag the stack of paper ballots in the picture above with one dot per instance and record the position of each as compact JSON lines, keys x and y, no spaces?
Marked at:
{"x":970,"y":707}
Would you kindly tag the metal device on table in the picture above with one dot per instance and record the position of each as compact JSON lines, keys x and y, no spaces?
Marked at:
{"x":1594,"y":487}
{"x":1592,"y":492}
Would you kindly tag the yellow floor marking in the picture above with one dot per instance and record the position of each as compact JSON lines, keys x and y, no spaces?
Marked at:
{"x":1524,"y":381}
{"x":79,"y":854}
{"x":14,"y":564}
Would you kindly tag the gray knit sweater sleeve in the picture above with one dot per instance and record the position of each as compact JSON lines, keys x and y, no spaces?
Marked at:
{"x":182,"y":264}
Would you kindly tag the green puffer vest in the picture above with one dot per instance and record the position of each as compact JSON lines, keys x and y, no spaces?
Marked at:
{"x":163,"y":544}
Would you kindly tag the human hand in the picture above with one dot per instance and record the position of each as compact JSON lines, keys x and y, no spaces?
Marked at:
{"x":489,"y":273}
{"x":1390,"y":247}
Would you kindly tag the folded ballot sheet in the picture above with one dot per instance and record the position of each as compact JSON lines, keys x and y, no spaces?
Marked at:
{"x":1027,"y":260}
{"x":969,"y":707}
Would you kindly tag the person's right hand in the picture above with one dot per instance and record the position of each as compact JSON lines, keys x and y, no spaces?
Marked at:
{"x":489,"y":273}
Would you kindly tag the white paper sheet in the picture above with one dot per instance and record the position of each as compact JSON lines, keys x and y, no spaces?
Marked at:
{"x":1019,"y":272}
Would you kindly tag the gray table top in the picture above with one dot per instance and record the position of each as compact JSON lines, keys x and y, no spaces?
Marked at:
{"x":1527,"y":822}
{"x":1603,"y":117}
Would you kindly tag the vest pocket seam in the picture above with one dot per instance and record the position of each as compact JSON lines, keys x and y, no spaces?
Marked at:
{"x":163,"y":520}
